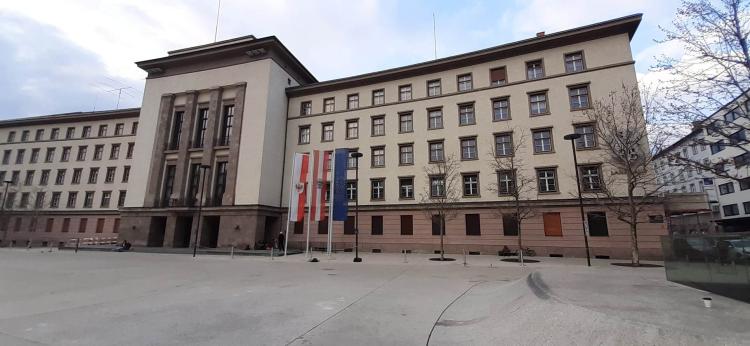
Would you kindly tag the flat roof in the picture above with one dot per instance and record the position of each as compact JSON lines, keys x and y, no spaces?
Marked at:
{"x":71,"y":117}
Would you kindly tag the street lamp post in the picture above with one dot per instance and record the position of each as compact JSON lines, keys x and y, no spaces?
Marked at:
{"x":204,"y":168}
{"x":2,"y":209}
{"x":356,"y":156}
{"x":572,"y":138}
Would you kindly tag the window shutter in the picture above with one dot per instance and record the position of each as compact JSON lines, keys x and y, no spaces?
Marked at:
{"x":497,"y":74}
{"x":552,"y":225}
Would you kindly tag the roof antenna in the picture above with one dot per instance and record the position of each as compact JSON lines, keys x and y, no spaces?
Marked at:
{"x":216,"y":29}
{"x":434,"y":34}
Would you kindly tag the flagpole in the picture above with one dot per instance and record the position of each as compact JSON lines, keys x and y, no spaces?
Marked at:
{"x":309,"y":200}
{"x":330,"y":204}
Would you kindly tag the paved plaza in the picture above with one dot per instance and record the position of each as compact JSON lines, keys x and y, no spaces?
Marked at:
{"x":103,"y":298}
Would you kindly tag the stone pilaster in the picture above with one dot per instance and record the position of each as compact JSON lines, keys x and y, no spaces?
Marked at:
{"x":157,"y":156}
{"x":234,"y":145}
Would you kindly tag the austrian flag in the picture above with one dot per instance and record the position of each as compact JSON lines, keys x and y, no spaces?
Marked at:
{"x":298,"y":193}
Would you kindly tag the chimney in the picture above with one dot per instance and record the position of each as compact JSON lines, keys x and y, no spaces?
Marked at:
{"x":540,"y":34}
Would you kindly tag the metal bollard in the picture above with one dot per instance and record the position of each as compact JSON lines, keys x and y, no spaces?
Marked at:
{"x":405,"y":259}
{"x":232,"y":252}
{"x":464,"y":257}
{"x":78,"y":240}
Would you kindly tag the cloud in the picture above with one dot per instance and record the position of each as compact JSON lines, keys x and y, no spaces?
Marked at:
{"x":44,"y":73}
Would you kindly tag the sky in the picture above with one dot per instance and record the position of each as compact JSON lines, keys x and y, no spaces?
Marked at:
{"x":69,"y":56}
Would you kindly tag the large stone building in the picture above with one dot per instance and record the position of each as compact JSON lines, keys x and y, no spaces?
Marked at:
{"x":66,"y":175}
{"x":233,"y":113}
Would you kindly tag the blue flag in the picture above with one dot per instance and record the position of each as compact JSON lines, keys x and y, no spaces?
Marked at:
{"x":340,"y":200}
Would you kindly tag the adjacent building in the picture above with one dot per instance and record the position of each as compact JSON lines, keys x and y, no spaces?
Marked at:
{"x":65,"y":176}
{"x":221,"y":122}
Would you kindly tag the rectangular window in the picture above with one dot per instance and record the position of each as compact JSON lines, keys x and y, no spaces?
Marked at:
{"x":29,"y":178}
{"x":114,"y":151}
{"x":50,"y":224}
{"x":538,"y":103}
{"x":25,"y":136}
{"x":534,"y":69}
{"x":407,"y":225}
{"x":116,"y":225}
{"x":437,"y":154}
{"x":579,"y":97}
{"x":574,"y":62}
{"x":77,"y":173}
{"x":349,"y":225}
{"x":378,"y":126}
{"x":98,"y":151}
{"x":39,"y":135}
{"x":299,"y":227}
{"x":437,"y":186}
{"x":466,"y":114}
{"x":93,"y":175}
{"x":351,"y":190}
{"x":39,"y":200}
{"x":11,"y":137}
{"x":305,"y":108}
{"x":60,"y":178}
{"x":465,"y":82}
{"x":404,"y":92}
{"x":435,"y":119}
{"x":406,"y":154}
{"x":227,"y":124}
{"x":54,"y":134}
{"x":55,"y":201}
{"x":82,"y":225}
{"x":378,"y":157}
{"x":547,"y":180}
{"x":6,"y":156}
{"x":22,"y":152}
{"x":221,"y":182}
{"x":88,"y":199}
{"x":726,"y":188}
{"x":15,"y":177}
{"x":471,"y":185}
{"x":731,"y":210}
{"x":125,"y":174}
{"x":327,"y":130}
{"x":352,"y":101}
{"x":542,"y":141}
{"x":106,"y":198}
{"x":322,"y":227}
{"x":436,"y":227}
{"x":352,"y":129}
{"x":166,"y":197}
{"x":129,"y":153}
{"x":405,"y":123}
{"x":504,"y":144}
{"x":552,"y":224}
{"x":24,"y":200}
{"x":717,"y":147}
{"x":70,"y":132}
{"x":176,"y":133}
{"x":86,"y":133}
{"x":434,"y":88}
{"x":406,"y":188}
{"x":82,"y":153}
{"x":377,"y":189}
{"x":304,"y":135}
{"x":351,"y":160}
{"x":44,"y":179}
{"x":329,"y":105}
{"x":119,"y":129}
{"x":506,"y":183}
{"x":99,"y":225}
{"x":510,"y":225}
{"x":472,"y":224}
{"x":588,"y":136}
{"x":121,"y":198}
{"x":501,"y":109}
{"x":378,"y":97}
{"x":498,"y":76}
{"x":65,"y":154}
{"x":34,"y":155}
{"x":597,"y":222}
{"x":591,"y":178}
{"x":744,"y":184}
{"x":110,"y":176}
{"x":469,"y":148}
{"x":66,"y":225}
{"x":200,"y":129}
{"x":72,"y":196}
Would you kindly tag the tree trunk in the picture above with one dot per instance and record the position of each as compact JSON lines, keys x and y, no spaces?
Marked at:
{"x":442,"y":233}
{"x":635,"y":260}
{"x":520,"y":242}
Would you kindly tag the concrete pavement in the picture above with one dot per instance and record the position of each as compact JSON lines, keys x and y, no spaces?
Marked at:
{"x":62,"y":298}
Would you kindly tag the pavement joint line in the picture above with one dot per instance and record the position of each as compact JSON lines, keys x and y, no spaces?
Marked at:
{"x":22,"y":338}
{"x":447,"y":307}
{"x":348,"y":306}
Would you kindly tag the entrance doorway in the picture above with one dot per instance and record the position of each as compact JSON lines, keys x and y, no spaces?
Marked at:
{"x":182,"y":230}
{"x":210,"y":231}
{"x":156,"y":231}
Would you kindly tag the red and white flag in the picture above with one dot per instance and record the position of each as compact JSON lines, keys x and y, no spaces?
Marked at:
{"x":298,"y":193}
{"x":319,"y":180}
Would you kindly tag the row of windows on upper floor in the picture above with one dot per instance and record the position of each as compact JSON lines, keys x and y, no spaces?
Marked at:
{"x":49,"y":156}
{"x":546,"y":178}
{"x":579,"y":100}
{"x":40,"y":200}
{"x":574,"y":62}
{"x":542,"y":141}
{"x":70,"y":132}
{"x":734,"y":210}
{"x":734,"y":139}
{"x":198,"y":137}
{"x":93,"y":177}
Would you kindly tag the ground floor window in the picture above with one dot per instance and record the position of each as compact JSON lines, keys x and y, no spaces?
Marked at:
{"x":472,"y":224}
{"x":377,"y":225}
{"x":510,"y":225}
{"x":349,"y":225}
{"x":597,"y":224}
{"x":407,"y":225}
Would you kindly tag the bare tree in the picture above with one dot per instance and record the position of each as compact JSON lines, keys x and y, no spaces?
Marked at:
{"x":513,"y":178}
{"x":630,"y":187}
{"x":712,"y":76}
{"x":442,"y":193}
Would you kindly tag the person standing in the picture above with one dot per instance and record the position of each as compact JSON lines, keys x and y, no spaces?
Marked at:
{"x":280,"y":241}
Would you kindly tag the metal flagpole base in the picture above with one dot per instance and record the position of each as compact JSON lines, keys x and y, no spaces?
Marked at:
{"x":357,"y":259}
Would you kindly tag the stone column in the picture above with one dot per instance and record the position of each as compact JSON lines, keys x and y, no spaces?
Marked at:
{"x":183,"y":155}
{"x":157,"y":156}
{"x":234,"y":145}
{"x":214,"y":120}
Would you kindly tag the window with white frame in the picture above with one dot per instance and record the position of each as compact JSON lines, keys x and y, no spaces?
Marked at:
{"x":547,"y":180}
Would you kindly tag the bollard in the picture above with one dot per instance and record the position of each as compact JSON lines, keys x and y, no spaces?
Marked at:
{"x":405,"y":260}
{"x":78,"y":240}
{"x":271,"y":253}
{"x":232,"y":252}
{"x":464,"y":257}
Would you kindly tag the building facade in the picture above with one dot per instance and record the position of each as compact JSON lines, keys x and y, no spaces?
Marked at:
{"x":718,"y":142}
{"x":65,"y":176}
{"x":226,"y":119}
